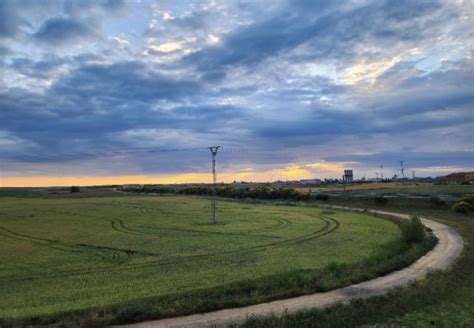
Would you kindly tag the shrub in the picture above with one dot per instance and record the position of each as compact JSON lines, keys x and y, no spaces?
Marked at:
{"x":380,"y":200}
{"x":321,"y":197}
{"x":469,"y":198}
{"x":301,"y":196}
{"x":464,"y":204}
{"x":75,"y":189}
{"x":413,"y":230}
{"x":462,"y":207}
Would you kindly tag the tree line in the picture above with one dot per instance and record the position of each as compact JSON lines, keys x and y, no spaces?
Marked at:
{"x":259,"y":192}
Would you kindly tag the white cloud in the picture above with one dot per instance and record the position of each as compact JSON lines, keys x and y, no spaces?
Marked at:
{"x":368,"y":70}
{"x":213,"y":39}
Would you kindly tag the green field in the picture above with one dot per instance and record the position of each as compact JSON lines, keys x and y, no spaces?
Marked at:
{"x":130,"y":258}
{"x":395,"y":187}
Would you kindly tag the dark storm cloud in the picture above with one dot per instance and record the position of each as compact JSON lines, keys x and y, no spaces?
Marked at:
{"x":59,"y":30}
{"x":41,"y":69}
{"x":123,"y":82}
{"x":94,"y":102}
{"x":411,"y":109}
{"x":330,"y":32}
{"x":444,"y":89}
{"x":15,"y":17}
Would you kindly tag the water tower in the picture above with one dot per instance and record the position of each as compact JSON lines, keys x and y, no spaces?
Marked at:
{"x":348,"y":176}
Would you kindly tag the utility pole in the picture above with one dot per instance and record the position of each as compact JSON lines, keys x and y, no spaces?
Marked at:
{"x":377,"y":177}
{"x":402,"y":169}
{"x":344,"y":184}
{"x":413,"y":174}
{"x":213,"y":150}
{"x":381,"y":173}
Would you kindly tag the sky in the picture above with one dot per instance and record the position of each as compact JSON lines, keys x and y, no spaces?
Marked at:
{"x":105,"y":92}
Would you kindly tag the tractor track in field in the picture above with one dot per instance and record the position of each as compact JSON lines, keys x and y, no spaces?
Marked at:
{"x":37,"y":241}
{"x":300,"y":239}
{"x":74,"y":248}
{"x":281,"y":222}
{"x":146,"y":210}
{"x":119,"y":226}
{"x":98,"y":253}
{"x":203,"y":232}
{"x":330,"y":226}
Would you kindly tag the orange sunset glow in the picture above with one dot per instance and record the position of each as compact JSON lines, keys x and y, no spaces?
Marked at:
{"x":320,"y":169}
{"x":290,"y":173}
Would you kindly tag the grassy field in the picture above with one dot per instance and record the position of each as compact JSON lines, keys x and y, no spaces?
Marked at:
{"x":397,"y":187}
{"x":100,"y":260}
{"x":444,"y":299}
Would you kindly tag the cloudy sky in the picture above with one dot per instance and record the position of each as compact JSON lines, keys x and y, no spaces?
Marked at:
{"x":115,"y":92}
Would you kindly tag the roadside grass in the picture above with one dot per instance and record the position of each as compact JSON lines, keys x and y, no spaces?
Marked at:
{"x":99,"y":261}
{"x":406,"y":205}
{"x":444,"y":299}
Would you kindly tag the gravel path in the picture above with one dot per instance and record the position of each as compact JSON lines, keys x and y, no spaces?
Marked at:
{"x":449,"y":247}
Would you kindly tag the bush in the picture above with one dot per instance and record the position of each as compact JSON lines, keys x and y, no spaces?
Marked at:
{"x":469,"y":198}
{"x":259,"y":192}
{"x":303,"y":197}
{"x":75,"y":189}
{"x":321,"y":197}
{"x":413,"y":230}
{"x":464,"y":204}
{"x":462,"y":207}
{"x":380,"y":200}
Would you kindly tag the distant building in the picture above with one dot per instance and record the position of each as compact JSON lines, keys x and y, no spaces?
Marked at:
{"x":459,"y":177}
{"x":348,"y":176}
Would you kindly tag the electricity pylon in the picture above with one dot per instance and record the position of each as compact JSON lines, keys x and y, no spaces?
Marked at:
{"x":213,"y":150}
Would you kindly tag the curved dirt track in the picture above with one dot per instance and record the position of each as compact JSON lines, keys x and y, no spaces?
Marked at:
{"x":448,"y":248}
